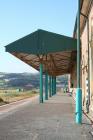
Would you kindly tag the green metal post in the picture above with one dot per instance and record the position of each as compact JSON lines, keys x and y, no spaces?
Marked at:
{"x":50,"y":87}
{"x":41,"y":83}
{"x":46,"y":86}
{"x":79,"y":91}
{"x":54,"y":85}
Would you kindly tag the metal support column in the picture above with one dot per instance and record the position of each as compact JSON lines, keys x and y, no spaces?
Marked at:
{"x":79,"y":91}
{"x":50,"y":87}
{"x":41,"y":83}
{"x":46,"y":86}
{"x":54,"y":85}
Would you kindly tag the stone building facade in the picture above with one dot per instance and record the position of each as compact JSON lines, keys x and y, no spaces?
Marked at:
{"x":86,"y":31}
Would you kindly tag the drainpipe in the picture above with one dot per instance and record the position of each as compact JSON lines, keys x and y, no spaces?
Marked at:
{"x":79,"y":90}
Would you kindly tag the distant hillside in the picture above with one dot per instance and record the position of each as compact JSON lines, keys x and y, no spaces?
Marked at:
{"x":25,"y":80}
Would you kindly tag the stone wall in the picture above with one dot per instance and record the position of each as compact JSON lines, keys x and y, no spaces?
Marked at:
{"x":84,"y":62}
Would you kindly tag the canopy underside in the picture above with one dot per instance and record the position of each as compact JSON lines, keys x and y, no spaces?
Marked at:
{"x":55,"y":63}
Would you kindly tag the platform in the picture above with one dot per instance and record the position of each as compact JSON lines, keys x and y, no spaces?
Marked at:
{"x":52,"y":120}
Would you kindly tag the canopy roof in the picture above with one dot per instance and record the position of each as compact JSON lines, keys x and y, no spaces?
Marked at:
{"x":56,"y":52}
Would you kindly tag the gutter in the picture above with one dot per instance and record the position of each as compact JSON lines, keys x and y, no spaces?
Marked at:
{"x":75,"y":27}
{"x":87,"y":14}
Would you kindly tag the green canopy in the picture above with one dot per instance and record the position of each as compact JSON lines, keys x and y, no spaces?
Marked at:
{"x":42,"y":42}
{"x":56,"y":52}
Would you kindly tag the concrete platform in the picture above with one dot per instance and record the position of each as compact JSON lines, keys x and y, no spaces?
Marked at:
{"x":52,"y":120}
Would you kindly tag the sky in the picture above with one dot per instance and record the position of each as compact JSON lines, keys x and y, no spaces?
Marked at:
{"x":19,"y":18}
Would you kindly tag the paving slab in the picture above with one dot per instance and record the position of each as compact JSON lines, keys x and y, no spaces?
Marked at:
{"x":52,"y":120}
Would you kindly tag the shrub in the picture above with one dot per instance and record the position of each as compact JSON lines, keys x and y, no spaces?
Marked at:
{"x":1,"y":100}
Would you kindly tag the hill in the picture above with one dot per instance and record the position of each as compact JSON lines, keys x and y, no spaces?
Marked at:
{"x":25,"y":80}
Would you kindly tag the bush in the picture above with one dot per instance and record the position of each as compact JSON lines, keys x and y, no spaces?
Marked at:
{"x":1,"y":100}
{"x":34,"y":92}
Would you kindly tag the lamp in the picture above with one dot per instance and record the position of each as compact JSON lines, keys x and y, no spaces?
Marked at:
{"x":41,"y":56}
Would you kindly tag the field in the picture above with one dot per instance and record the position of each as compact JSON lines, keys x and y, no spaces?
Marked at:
{"x":12,"y":95}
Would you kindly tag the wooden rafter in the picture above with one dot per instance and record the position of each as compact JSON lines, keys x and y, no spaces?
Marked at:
{"x":55,"y":64}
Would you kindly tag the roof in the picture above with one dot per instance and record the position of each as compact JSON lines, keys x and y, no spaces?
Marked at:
{"x":57,"y":52}
{"x":42,"y":42}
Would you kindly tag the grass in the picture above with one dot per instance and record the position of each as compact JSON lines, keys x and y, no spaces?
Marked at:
{"x":8,"y":96}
